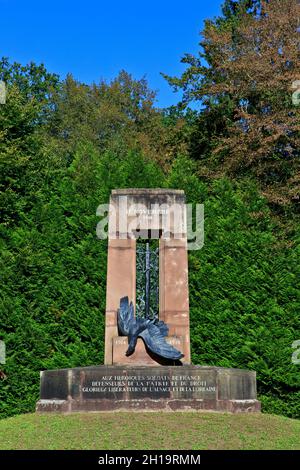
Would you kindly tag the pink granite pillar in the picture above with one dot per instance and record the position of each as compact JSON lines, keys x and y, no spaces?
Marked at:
{"x":174,"y":293}
{"x":121,"y":275}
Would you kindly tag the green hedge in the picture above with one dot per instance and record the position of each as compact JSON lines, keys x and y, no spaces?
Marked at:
{"x":244,"y":296}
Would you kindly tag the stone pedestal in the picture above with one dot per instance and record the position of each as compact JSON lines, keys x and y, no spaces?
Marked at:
{"x":145,"y":388}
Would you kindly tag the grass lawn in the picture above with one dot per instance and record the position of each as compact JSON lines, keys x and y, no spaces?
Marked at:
{"x":157,"y":431}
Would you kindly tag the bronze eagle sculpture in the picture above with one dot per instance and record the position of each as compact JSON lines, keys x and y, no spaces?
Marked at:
{"x":153,"y":332}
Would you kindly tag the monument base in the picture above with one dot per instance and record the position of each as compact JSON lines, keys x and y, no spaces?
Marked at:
{"x":142,"y":388}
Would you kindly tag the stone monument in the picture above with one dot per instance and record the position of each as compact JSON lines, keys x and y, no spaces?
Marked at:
{"x":147,"y":362}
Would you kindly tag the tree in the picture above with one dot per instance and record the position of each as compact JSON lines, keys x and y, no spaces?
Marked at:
{"x":244,"y":79}
{"x":22,"y":161}
{"x":113,"y":114}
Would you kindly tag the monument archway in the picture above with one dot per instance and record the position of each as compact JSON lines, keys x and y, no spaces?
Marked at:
{"x":147,"y":214}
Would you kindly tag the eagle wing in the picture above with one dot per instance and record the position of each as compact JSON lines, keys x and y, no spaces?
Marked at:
{"x":125,"y":316}
{"x":154,"y":336}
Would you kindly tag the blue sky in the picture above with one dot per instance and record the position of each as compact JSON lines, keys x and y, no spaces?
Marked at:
{"x":96,"y":39}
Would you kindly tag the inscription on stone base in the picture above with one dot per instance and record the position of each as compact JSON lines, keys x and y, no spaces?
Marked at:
{"x":149,"y":384}
{"x":165,"y":387}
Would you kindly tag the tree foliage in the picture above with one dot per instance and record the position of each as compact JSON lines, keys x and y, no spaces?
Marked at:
{"x":247,"y":65}
{"x":121,"y":112}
